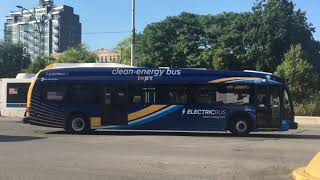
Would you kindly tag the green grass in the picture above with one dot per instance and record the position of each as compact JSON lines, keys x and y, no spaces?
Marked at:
{"x":309,"y":107}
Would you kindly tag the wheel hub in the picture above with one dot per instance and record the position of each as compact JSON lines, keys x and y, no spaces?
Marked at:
{"x":78,"y":124}
{"x":241,"y":126}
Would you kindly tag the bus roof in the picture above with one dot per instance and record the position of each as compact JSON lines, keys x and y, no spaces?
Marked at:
{"x":157,"y":75}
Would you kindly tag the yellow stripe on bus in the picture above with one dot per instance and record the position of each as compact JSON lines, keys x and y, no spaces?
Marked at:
{"x":30,"y":92}
{"x":144,"y":112}
{"x":234,"y":79}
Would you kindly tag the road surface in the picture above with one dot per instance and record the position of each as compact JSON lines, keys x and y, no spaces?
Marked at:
{"x":37,"y":153}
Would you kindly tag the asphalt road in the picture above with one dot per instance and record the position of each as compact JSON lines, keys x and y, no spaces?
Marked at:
{"x":36,"y":153}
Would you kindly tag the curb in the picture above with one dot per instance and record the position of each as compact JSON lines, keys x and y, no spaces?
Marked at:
{"x":307,"y":120}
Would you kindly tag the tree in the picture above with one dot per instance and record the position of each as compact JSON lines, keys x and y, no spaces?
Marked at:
{"x":79,"y":54}
{"x":39,"y":64}
{"x":124,"y":48}
{"x":174,"y":42}
{"x":278,"y":26}
{"x":298,"y":72}
{"x":13,"y":60}
{"x":254,"y":40}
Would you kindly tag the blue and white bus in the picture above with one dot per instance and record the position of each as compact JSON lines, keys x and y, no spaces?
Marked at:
{"x":185,"y":99}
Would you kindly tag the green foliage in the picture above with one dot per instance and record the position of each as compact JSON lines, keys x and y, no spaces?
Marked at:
{"x":254,"y":40}
{"x":39,"y":64}
{"x":262,"y":40}
{"x":79,"y":54}
{"x":174,"y":42}
{"x":298,"y":72}
{"x":279,"y":26}
{"x":124,"y":48}
{"x":309,"y":107}
{"x":13,"y":60}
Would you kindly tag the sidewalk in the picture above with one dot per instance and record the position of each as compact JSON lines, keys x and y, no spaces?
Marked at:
{"x":308,"y":120}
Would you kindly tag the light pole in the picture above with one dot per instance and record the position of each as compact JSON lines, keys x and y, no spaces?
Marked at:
{"x":40,"y":26}
{"x":133,"y":38}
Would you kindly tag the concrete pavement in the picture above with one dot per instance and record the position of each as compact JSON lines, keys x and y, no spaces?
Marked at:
{"x":32,"y":153}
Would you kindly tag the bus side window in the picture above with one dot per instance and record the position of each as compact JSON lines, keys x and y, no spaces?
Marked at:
{"x":107,"y":96}
{"x":205,"y":95}
{"x":261,"y":100}
{"x":286,"y":102}
{"x":54,"y":94}
{"x":178,"y":96}
{"x":83,"y":94}
{"x":235,"y":94}
{"x":135,"y":96}
{"x":149,"y":95}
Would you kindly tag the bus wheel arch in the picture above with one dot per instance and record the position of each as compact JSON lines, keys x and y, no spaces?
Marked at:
{"x":240,"y":124}
{"x":77,"y":122}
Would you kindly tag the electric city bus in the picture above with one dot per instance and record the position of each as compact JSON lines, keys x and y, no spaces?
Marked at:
{"x":80,"y":99}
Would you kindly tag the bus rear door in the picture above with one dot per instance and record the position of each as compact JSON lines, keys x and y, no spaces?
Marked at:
{"x":268,"y":106}
{"x":115,"y":105}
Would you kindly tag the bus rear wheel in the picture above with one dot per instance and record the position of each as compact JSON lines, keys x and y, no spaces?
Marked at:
{"x":78,"y":124}
{"x":240,"y":127}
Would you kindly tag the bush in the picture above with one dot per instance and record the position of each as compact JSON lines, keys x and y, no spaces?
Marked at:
{"x":309,"y":107}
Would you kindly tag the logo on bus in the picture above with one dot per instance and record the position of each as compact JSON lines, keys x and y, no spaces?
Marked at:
{"x":145,"y":78}
{"x":206,"y":113}
{"x":146,"y":72}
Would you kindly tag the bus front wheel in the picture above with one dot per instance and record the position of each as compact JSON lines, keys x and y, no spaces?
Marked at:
{"x":78,"y":124}
{"x":240,"y":127}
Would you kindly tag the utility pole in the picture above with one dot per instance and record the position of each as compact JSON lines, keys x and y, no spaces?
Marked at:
{"x":133,"y":36}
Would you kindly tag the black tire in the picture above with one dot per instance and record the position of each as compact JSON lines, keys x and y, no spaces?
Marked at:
{"x":78,"y":124}
{"x":240,"y":127}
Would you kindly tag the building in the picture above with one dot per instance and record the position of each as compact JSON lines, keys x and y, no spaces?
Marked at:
{"x":108,"y":56}
{"x":44,"y":29}
{"x":13,"y":95}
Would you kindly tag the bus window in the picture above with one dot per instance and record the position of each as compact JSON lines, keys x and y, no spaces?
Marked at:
{"x":83,"y":94}
{"x":135,"y":95}
{"x":149,"y":95}
{"x":142,"y":95}
{"x":54,"y":94}
{"x":263,"y":100}
{"x":178,"y":96}
{"x":286,"y":102}
{"x":205,"y":96}
{"x":235,"y":94}
{"x":107,"y":96}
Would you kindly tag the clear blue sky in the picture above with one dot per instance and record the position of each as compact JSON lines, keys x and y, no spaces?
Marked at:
{"x":115,"y":15}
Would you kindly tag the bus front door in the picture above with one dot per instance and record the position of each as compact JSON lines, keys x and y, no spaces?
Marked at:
{"x":115,"y":102}
{"x":268,"y":107}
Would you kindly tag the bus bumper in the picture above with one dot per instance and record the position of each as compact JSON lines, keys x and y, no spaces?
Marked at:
{"x":294,"y":125}
{"x":26,"y":120}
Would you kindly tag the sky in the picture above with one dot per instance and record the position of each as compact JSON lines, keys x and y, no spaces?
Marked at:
{"x":115,"y":15}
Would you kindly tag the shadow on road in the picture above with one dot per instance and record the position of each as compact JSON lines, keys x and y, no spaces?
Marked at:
{"x":17,"y":138}
{"x":196,"y":134}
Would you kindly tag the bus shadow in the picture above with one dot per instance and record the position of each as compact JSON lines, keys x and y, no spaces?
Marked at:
{"x":18,"y":138}
{"x":195,"y":134}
